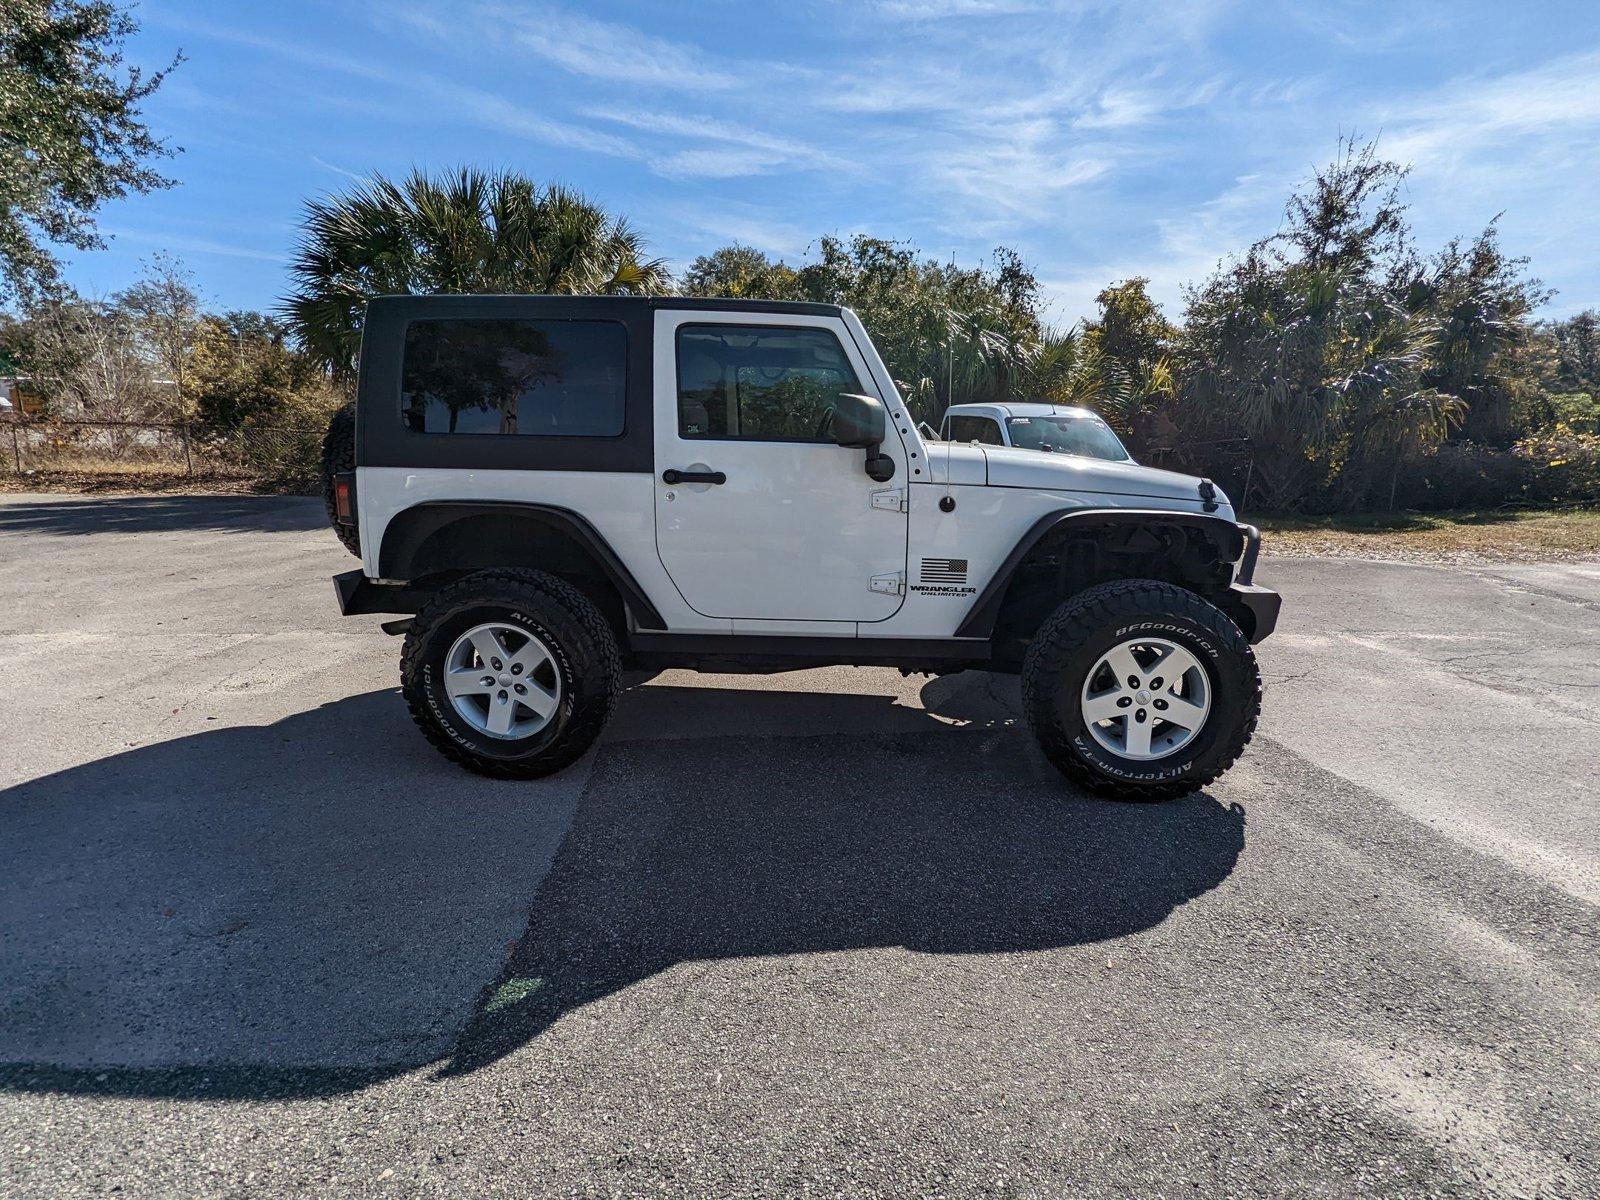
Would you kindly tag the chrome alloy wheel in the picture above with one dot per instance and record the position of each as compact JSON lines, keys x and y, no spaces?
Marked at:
{"x":1145,"y":699}
{"x":502,"y":681}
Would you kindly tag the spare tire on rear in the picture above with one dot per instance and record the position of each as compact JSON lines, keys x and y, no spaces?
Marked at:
{"x":339,"y":454}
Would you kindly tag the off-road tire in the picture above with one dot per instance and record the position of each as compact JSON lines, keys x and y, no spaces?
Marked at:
{"x":339,"y":454}
{"x":1077,"y":634}
{"x":572,"y":629}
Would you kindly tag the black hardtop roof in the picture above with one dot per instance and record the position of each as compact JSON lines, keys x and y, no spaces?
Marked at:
{"x":622,"y":304}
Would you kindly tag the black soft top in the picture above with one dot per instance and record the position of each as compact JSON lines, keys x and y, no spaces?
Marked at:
{"x":424,"y":305}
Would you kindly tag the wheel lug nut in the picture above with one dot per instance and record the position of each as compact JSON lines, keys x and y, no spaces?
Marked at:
{"x":495,"y":663}
{"x":1155,"y":683}
{"x":488,"y":681}
{"x":1161,"y":705}
{"x":1124,"y":701}
{"x":1139,"y":716}
{"x":516,"y":668}
{"x":502,"y":697}
{"x":1133,"y":682}
{"x":520,"y":690}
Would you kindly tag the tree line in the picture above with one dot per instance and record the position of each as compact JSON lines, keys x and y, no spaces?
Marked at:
{"x":1334,"y":364}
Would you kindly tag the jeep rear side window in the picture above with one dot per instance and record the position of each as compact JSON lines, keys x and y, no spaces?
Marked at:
{"x":765,"y":382}
{"x":522,"y":377}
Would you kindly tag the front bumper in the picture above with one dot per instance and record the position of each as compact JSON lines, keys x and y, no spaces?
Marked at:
{"x":1254,"y":607}
{"x":1259,"y":608}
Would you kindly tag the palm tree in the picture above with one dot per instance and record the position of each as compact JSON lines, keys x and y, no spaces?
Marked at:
{"x":1071,"y":367}
{"x":468,"y":231}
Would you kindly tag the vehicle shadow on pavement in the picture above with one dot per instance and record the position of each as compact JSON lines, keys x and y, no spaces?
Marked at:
{"x":310,"y":907}
{"x":160,"y":514}
{"x":942,"y":841}
{"x":294,"y":908}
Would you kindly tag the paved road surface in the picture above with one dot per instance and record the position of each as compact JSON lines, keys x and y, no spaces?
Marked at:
{"x":826,"y":932}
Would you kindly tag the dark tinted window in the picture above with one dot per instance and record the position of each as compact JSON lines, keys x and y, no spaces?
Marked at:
{"x":1088,"y":436}
{"x":975,"y":429}
{"x":539,"y":378}
{"x":759,"y":381}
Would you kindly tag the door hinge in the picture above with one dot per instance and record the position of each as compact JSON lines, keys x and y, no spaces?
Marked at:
{"x":889,"y":585}
{"x":890,"y":500}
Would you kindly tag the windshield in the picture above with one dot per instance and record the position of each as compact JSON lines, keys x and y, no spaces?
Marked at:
{"x":1088,"y":436}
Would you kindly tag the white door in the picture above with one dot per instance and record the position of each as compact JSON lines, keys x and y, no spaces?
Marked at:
{"x":792,"y":532}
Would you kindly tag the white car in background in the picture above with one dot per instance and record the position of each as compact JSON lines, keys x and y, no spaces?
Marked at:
{"x":1054,"y":428}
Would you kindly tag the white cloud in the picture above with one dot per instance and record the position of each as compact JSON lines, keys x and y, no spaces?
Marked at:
{"x":607,"y":50}
{"x":986,"y":189}
{"x":193,"y":245}
{"x":351,"y":175}
{"x":730,"y":145}
{"x":705,"y":227}
{"x":936,"y":10}
{"x":1103,"y":140}
{"x":450,"y":96}
{"x":1119,"y":109}
{"x":716,"y":162}
{"x":1558,"y":98}
{"x":1477,"y":145}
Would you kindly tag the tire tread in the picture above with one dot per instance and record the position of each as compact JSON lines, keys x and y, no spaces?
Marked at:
{"x":1079,"y":618}
{"x":338,"y":456}
{"x":539,"y":590}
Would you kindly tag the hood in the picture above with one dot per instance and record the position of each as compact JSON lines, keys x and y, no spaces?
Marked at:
{"x":1009,"y":467}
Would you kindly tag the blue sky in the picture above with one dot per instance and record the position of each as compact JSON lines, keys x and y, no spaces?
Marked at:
{"x":1100,"y":140}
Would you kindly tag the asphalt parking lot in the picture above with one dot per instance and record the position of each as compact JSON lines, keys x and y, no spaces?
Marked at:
{"x":831,"y":932}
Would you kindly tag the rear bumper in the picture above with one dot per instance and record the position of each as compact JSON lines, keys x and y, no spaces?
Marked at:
{"x":358,"y":595}
{"x":1257,"y":605}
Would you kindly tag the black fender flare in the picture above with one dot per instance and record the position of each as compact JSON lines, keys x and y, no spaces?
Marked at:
{"x":409,"y":528}
{"x":980,"y":619}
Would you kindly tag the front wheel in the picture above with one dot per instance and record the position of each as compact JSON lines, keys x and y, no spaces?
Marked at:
{"x":512,"y":674}
{"x":1140,"y":690}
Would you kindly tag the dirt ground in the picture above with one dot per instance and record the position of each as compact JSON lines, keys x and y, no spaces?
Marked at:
{"x":1451,"y":537}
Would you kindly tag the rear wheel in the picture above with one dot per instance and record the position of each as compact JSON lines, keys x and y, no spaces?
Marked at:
{"x":1140,"y":690}
{"x":512,"y":674}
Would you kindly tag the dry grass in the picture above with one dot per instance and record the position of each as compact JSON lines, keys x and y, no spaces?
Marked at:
{"x":143,"y":480}
{"x":1465,"y":537}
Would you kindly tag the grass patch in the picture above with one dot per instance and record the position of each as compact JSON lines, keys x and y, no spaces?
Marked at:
{"x":1496,"y":535}
{"x":513,"y":991}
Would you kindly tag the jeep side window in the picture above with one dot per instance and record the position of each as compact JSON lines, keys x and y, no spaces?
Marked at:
{"x":975,"y":429}
{"x":765,"y":382}
{"x":539,"y":378}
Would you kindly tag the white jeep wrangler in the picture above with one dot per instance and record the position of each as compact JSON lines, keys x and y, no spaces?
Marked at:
{"x":556,"y":488}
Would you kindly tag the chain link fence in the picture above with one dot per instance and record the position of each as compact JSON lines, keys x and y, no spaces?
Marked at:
{"x":282,"y":455}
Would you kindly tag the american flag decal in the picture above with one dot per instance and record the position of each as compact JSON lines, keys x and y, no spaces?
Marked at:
{"x":944,"y":570}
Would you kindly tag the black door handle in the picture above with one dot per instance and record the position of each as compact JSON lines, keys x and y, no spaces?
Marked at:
{"x":673,"y":475}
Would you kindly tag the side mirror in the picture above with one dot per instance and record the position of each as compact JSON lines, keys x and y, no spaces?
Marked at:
{"x":859,"y":421}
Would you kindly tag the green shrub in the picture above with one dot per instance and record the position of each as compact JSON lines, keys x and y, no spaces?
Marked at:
{"x":1563,"y":466}
{"x":1558,"y":467}
{"x":283,"y":445}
